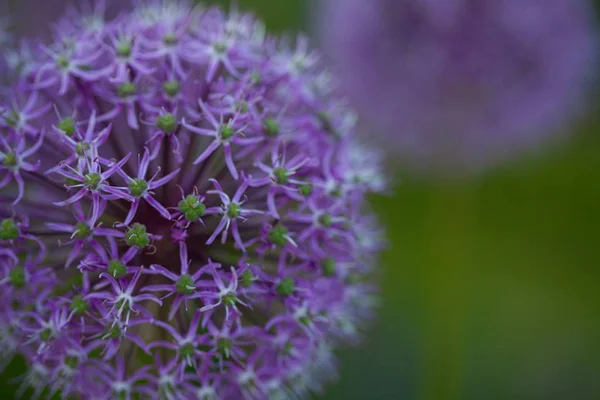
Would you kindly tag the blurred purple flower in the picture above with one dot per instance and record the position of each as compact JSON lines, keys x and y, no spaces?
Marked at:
{"x":182,"y":210}
{"x":461,"y":83}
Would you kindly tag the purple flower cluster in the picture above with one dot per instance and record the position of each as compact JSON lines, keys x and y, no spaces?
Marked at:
{"x":461,"y":83}
{"x":182,"y":210}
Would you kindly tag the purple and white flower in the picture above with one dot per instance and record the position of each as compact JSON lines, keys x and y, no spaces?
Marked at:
{"x":190,"y":221}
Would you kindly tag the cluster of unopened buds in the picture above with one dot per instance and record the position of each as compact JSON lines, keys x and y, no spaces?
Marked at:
{"x":182,"y":210}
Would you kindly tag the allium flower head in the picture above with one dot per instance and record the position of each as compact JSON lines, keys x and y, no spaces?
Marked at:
{"x":182,"y":211}
{"x":461,"y":83}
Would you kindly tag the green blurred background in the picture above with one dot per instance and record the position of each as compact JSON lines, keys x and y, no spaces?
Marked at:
{"x":490,"y":285}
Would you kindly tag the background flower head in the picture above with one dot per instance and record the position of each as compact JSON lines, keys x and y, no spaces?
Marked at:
{"x":461,"y":83}
{"x":182,"y":210}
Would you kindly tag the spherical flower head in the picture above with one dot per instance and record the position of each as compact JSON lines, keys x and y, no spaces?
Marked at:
{"x":461,"y":84}
{"x":183,"y":211}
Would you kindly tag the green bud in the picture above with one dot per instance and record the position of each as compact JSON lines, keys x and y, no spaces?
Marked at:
{"x":255,"y":78}
{"x":278,"y":235}
{"x":8,"y":229}
{"x":67,"y":125}
{"x":124,"y":48}
{"x":187,"y":350}
{"x":227,"y":132}
{"x":126,"y":89}
{"x":46,"y":335}
{"x":185,"y":285}
{"x":81,"y":148}
{"x":224,"y":346}
{"x":246,"y":278}
{"x":123,"y":305}
{"x":220,"y":48}
{"x":63,"y":62}
{"x":166,"y":123}
{"x":82,"y":230}
{"x":234,"y":210}
{"x":325,"y":220}
{"x":229,"y":299}
{"x":18,"y":277}
{"x":171,"y":88}
{"x":138,"y":187}
{"x":117,"y":269}
{"x":92,"y":180}
{"x":137,"y":236}
{"x":191,"y":208}
{"x":285,"y":287}
{"x":113,"y":332}
{"x":9,"y":160}
{"x":271,"y":127}
{"x":281,"y":176}
{"x":306,"y":189}
{"x":72,"y":362}
{"x":170,"y":39}
{"x":79,"y":305}
{"x":243,"y":106}
{"x":328,"y":266}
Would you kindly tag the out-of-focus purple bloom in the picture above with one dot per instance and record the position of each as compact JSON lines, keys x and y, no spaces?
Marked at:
{"x":461,"y":83}
{"x":182,"y":210}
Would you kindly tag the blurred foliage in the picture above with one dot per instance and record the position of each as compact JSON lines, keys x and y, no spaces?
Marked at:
{"x":496,"y":280}
{"x":490,"y":285}
{"x":286,"y":16}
